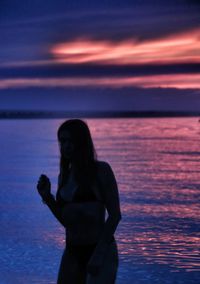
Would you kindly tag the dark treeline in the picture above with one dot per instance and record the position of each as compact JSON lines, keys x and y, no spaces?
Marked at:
{"x":7,"y":114}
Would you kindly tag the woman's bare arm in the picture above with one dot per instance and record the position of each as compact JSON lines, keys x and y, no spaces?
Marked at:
{"x":54,"y":204}
{"x":111,"y":194}
{"x":55,"y":207}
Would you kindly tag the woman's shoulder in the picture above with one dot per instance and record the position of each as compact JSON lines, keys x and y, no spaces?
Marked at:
{"x":102,"y":164}
{"x":104,"y":170}
{"x":103,"y":167}
{"x":106,"y":179}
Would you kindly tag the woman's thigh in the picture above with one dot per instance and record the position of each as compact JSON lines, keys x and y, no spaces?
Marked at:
{"x":108,"y":271}
{"x":70,"y":271}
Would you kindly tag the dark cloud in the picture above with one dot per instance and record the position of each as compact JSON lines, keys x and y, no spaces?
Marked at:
{"x":28,"y":28}
{"x":32,"y":25}
{"x":89,"y":70}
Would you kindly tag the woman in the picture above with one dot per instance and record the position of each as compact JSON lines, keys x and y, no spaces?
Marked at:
{"x":86,"y":189}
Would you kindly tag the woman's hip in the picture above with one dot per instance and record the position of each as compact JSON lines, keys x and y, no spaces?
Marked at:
{"x":108,"y":272}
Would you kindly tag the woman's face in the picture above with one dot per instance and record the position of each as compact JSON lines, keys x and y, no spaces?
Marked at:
{"x":66,"y":145}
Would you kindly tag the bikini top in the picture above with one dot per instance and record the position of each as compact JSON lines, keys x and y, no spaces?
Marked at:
{"x":78,"y":209}
{"x":70,"y":191}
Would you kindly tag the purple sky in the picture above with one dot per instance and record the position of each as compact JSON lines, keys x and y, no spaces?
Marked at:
{"x":100,"y":55}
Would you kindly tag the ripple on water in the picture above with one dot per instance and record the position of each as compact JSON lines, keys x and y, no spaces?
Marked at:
{"x":156,"y":163}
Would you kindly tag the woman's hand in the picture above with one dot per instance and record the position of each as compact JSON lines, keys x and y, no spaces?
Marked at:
{"x":93,"y":268}
{"x":44,"y":186}
{"x":97,"y":259}
{"x":95,"y":263}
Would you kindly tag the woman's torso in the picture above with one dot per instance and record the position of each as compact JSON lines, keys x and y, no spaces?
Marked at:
{"x":83,"y":215}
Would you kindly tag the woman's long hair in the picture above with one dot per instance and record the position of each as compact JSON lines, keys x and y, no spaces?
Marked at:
{"x":84,"y":154}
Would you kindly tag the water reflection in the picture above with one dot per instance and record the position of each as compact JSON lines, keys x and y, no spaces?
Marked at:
{"x":169,"y":248}
{"x":156,"y":163}
{"x":160,"y":199}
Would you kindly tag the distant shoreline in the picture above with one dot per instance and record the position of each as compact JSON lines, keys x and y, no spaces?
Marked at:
{"x":93,"y":114}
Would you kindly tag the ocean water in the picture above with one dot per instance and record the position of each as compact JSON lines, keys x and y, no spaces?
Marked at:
{"x":157,"y":166}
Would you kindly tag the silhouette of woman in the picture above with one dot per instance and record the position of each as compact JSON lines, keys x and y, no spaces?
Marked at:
{"x":87,"y":188}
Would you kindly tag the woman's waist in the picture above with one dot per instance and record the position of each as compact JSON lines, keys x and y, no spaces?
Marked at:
{"x":84,"y":234}
{"x":83,"y":213}
{"x":81,"y":247}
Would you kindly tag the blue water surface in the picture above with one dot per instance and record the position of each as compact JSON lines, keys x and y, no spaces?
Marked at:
{"x":157,"y":166}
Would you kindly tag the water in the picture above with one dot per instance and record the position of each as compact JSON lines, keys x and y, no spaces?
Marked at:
{"x":157,"y":166}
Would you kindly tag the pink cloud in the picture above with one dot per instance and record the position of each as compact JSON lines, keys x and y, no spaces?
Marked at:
{"x":179,"y":81}
{"x":177,"y":48}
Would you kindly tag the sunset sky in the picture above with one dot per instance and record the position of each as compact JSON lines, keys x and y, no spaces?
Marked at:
{"x":100,"y":55}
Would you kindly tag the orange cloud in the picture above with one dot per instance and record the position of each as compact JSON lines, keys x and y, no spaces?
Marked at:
{"x":178,"y":48}
{"x":179,"y":81}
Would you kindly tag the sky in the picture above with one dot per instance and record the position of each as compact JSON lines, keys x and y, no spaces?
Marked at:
{"x":100,"y":55}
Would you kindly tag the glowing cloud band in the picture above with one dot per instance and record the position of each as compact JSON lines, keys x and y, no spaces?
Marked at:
{"x":179,"y":81}
{"x":177,"y":48}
